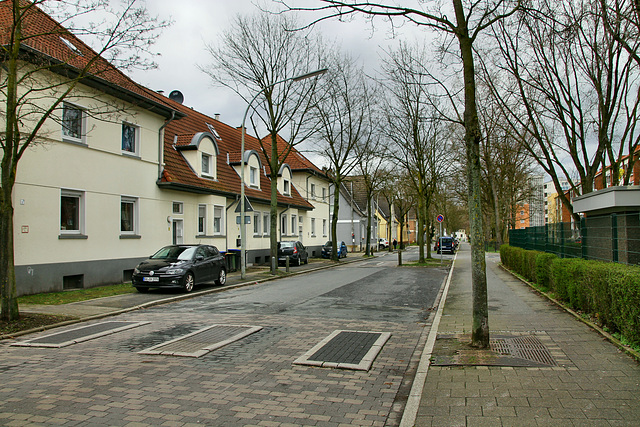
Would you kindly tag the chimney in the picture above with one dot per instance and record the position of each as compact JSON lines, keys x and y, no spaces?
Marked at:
{"x":216,"y":116}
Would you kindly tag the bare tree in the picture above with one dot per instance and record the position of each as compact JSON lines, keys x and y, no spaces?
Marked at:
{"x":416,"y":129}
{"x":34,"y":82}
{"x":470,"y":20}
{"x":405,"y":201}
{"x":576,"y":90}
{"x":371,"y":157}
{"x":258,"y":55}
{"x":343,"y":110}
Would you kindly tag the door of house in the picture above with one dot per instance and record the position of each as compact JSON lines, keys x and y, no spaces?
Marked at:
{"x":177,"y":231}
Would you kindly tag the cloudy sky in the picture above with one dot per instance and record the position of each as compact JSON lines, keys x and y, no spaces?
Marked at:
{"x":201,"y":22}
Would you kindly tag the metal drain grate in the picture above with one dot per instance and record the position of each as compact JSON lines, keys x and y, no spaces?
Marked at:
{"x":525,"y":347}
{"x":203,"y":341}
{"x":346,"y":349}
{"x":84,"y":333}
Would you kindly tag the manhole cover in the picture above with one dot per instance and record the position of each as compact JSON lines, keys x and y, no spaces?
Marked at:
{"x":203,"y":341}
{"x":346,"y":349}
{"x":84,"y":333}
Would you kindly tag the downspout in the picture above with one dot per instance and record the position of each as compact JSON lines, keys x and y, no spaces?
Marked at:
{"x":161,"y":143}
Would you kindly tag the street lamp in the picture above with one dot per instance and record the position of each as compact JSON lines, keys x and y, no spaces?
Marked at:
{"x":243,"y":232}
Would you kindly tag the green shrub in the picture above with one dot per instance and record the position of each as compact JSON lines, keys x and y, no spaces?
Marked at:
{"x":625,"y":302}
{"x":543,"y":268}
{"x":608,"y":291}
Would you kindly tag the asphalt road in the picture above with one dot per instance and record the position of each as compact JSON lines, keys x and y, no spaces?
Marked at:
{"x":253,"y":381}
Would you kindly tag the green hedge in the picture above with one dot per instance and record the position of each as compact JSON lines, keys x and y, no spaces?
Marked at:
{"x":608,"y":291}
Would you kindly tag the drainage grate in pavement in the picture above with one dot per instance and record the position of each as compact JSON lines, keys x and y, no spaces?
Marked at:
{"x":203,"y":341}
{"x":346,"y":349}
{"x":526,"y":347}
{"x":84,"y":333}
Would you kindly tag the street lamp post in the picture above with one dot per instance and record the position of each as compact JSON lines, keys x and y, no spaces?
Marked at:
{"x":243,"y":232}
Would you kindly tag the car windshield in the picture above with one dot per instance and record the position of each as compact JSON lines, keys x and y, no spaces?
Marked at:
{"x":287,"y":244}
{"x":175,"y":252}
{"x":328,"y":243}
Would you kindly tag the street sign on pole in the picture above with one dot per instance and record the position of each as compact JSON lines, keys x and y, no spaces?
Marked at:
{"x":440,"y":218}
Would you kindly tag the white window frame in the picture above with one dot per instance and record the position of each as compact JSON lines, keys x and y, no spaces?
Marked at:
{"x":80,"y":196}
{"x":256,"y":223}
{"x":294,"y":225}
{"x":283,"y":225}
{"x":287,"y":187}
{"x":253,"y":176}
{"x":209,"y":171}
{"x":136,"y":139}
{"x":324,"y":194}
{"x":134,"y":202}
{"x":201,"y":224}
{"x":324,"y":227}
{"x":266,"y":224}
{"x":220,"y":217}
{"x":83,"y":124}
{"x":313,"y":227}
{"x":180,"y":207}
{"x":313,"y":191}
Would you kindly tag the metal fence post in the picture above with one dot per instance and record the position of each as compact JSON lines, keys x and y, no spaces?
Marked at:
{"x":583,"y":237}
{"x":614,"y":237}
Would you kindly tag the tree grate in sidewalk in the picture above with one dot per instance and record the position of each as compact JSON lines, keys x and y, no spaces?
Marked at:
{"x":202,"y":341}
{"x":84,"y":333}
{"x":524,"y":347}
{"x":346,"y":350}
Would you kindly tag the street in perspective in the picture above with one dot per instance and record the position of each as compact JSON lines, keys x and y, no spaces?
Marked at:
{"x":150,"y":371}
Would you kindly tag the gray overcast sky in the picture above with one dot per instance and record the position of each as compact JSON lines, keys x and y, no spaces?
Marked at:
{"x":198,"y":22}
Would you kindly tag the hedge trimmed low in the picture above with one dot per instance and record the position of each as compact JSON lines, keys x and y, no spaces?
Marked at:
{"x":609,"y":292}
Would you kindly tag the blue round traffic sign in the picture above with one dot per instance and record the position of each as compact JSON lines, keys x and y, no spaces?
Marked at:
{"x":440,"y":218}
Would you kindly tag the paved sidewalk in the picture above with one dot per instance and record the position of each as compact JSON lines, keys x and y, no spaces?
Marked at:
{"x":593,"y":384}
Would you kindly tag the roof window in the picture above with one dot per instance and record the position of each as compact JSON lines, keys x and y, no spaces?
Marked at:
{"x":71,"y":46}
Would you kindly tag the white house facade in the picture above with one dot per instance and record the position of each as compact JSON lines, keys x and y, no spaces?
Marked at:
{"x":101,"y":194}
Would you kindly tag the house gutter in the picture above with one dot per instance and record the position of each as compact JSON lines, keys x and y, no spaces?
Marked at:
{"x":161,"y":143}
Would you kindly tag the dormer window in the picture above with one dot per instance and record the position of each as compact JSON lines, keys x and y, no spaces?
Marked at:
{"x":287,"y":187}
{"x":253,"y":176}
{"x":207,"y":162}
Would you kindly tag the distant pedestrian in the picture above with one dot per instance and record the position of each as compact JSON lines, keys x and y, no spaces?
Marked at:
{"x":395,"y":244}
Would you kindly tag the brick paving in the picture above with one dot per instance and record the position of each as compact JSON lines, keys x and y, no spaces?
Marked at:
{"x":252,"y":382}
{"x":595,"y":383}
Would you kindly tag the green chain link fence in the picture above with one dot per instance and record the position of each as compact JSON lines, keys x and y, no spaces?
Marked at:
{"x":614,"y":238}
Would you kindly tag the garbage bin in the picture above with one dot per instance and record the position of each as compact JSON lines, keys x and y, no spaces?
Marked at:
{"x":232,"y":258}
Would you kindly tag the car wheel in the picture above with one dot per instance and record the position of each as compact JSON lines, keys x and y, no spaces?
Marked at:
{"x":142,"y":289}
{"x":306,"y":260}
{"x":222,"y":277}
{"x":188,"y":282}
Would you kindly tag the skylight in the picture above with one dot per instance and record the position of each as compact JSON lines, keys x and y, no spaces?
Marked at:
{"x":213,"y":131}
{"x":71,"y":46}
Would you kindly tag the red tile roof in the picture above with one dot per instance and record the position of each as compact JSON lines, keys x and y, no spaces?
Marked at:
{"x":179,"y":174}
{"x":47,"y":43}
{"x":47,"y":40}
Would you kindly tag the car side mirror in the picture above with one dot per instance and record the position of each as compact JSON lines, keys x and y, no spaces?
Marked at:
{"x":199,"y":257}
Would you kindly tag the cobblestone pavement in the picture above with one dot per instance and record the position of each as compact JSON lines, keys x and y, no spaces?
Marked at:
{"x":105,"y":381}
{"x":595,"y":384}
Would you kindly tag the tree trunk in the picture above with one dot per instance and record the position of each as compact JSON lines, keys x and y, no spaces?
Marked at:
{"x":8,"y":294}
{"x":334,"y":223}
{"x":273,"y":226}
{"x":369,"y":216}
{"x":420,"y":228}
{"x":480,"y":327}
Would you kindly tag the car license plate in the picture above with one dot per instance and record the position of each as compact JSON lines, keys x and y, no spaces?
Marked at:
{"x":150,"y":279}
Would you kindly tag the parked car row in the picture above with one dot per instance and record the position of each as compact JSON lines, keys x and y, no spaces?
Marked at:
{"x":189,"y":265}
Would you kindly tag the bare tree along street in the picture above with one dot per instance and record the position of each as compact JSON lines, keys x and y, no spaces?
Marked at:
{"x":275,"y":373}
